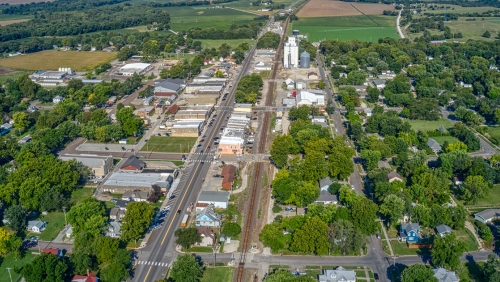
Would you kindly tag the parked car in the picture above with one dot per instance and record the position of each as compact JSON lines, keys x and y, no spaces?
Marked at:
{"x":352,"y":187}
{"x":288,"y":209}
{"x":216,"y":175}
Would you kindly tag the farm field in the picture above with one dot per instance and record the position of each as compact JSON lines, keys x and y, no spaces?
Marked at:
{"x":427,"y":125}
{"x":363,"y":28}
{"x":8,"y":22}
{"x":8,"y":17}
{"x":184,"y":18}
{"x":52,"y":60}
{"x":328,"y":8}
{"x":452,"y":9}
{"x":14,"y":2}
{"x":208,"y":43}
{"x":169,"y":144}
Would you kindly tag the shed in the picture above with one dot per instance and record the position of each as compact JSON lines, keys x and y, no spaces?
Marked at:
{"x":443,"y":230}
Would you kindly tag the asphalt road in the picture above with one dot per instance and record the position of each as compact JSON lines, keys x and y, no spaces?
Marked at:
{"x":337,"y":120}
{"x":160,"y":248}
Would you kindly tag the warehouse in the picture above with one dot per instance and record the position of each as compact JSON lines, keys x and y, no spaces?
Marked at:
{"x":120,"y":182}
{"x":138,"y":68}
{"x":186,"y":128}
{"x":100,"y":166}
{"x":218,"y":199}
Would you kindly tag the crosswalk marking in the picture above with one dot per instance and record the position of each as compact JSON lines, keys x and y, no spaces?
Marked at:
{"x":152,"y":263}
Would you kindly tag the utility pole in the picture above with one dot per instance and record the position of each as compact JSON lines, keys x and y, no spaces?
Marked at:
{"x":10,"y":275}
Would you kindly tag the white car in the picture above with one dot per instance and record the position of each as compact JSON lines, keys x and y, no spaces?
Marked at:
{"x":352,"y":187}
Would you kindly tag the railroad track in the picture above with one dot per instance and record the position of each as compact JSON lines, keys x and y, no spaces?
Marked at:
{"x":258,"y":166}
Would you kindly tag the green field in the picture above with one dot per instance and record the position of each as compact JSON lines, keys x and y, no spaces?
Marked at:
{"x":208,"y":43}
{"x":11,"y":76}
{"x":9,"y":262}
{"x":55,"y":223}
{"x":7,"y":17}
{"x":466,"y":236}
{"x":493,"y":197}
{"x":456,"y":9}
{"x":221,"y":274}
{"x":494,"y":132}
{"x":428,"y":125}
{"x":169,"y":144}
{"x":442,"y":139}
{"x":362,"y":28}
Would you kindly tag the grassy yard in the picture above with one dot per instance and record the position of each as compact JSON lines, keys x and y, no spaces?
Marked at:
{"x":493,"y":197}
{"x":442,"y":139}
{"x":55,"y":223}
{"x":468,"y":237}
{"x":208,"y":43}
{"x":170,"y":144}
{"x":52,"y":60}
{"x":11,"y":76}
{"x":199,"y":250}
{"x":428,"y":125}
{"x":221,"y":274}
{"x":78,"y":195}
{"x":402,"y":250}
{"x":10,"y":262}
{"x":494,"y":132}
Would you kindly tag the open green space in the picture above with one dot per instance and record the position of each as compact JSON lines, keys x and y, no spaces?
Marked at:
{"x":222,"y":274}
{"x":493,"y":197}
{"x":9,"y":262}
{"x":362,"y":28}
{"x":79,"y":194}
{"x":402,"y":250}
{"x":169,"y":144}
{"x":442,"y":139}
{"x":197,"y":249}
{"x":55,"y":223}
{"x":452,"y":9}
{"x":209,"y":43}
{"x":494,"y":132}
{"x":470,"y":271}
{"x":11,"y":76}
{"x":8,"y":17}
{"x":429,"y":125}
{"x":467,"y":237}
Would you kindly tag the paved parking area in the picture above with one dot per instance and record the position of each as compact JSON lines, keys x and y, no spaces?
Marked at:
{"x":102,"y":147}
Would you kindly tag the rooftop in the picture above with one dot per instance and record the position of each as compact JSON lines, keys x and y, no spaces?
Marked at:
{"x":90,"y":161}
{"x":488,"y":214}
{"x":213,"y":196}
{"x":128,"y":179}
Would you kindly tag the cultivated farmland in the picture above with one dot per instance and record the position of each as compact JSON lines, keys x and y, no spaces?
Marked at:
{"x":52,"y":60}
{"x":363,"y":28}
{"x":329,"y":8}
{"x":7,"y":22}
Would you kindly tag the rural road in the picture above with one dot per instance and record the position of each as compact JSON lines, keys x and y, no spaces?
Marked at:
{"x":397,"y":25}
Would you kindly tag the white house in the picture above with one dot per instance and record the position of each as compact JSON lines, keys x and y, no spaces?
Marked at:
{"x":58,"y":99}
{"x":337,"y":275}
{"x":379,"y":83}
{"x":300,"y":84}
{"x":290,"y":84}
{"x":219,"y":199}
{"x":36,"y":226}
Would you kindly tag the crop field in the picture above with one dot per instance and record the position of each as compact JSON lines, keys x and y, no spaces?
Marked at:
{"x":52,"y":60}
{"x":208,"y":43}
{"x":7,"y":22}
{"x":14,"y":2}
{"x":455,"y":9}
{"x":184,"y":18}
{"x":363,"y":28}
{"x":329,"y":8}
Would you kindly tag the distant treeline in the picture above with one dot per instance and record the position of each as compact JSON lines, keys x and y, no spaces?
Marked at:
{"x":235,"y":32}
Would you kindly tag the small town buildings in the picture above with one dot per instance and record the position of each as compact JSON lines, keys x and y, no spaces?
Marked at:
{"x":168,"y":87}
{"x":192,"y":115}
{"x":145,"y":111}
{"x":262,"y":66}
{"x":100,"y":166}
{"x":90,"y":277}
{"x":300,"y":84}
{"x":290,"y":84}
{"x":242,"y":108}
{"x":434,"y":145}
{"x":326,"y":198}
{"x":121,"y":205}
{"x":368,"y":112}
{"x":113,"y":229}
{"x":136,"y":196}
{"x":24,"y":140}
{"x":379,"y":83}
{"x":58,"y":99}
{"x":207,"y":236}
{"x":325,"y":183}
{"x":32,"y":109}
{"x":133,"y":163}
{"x":409,"y":232}
{"x":219,"y":199}
{"x":138,"y":68}
{"x":5,"y":128}
{"x":187,"y":128}
{"x":36,"y":226}
{"x":120,"y":182}
{"x":394,"y":176}
{"x":54,"y":251}
{"x":229,"y":174}
{"x":289,"y":102}
{"x":148,"y":100}
{"x":231,"y":142}
{"x":208,"y":217}
{"x":487,"y":215}
{"x":444,"y":275}
{"x":311,"y":98}
{"x":465,"y":85}
{"x":291,"y":53}
{"x":337,"y":275}
{"x":312,"y":76}
{"x":443,"y":230}
{"x":116,"y":214}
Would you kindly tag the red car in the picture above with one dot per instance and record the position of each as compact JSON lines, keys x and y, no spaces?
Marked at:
{"x":202,"y":140}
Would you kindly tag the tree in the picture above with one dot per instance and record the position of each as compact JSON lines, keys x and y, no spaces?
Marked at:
{"x":491,"y":269}
{"x":393,"y":208}
{"x":45,"y":267}
{"x":475,"y":187}
{"x":282,"y":146}
{"x":272,"y":236}
{"x":4,"y":241}
{"x":89,"y":216}
{"x":21,"y":120}
{"x":447,"y":250}
{"x":187,"y":236}
{"x":186,"y":269}
{"x":418,"y":273}
{"x":371,"y":158}
{"x":344,"y":238}
{"x":282,"y":275}
{"x":486,"y":34}
{"x":136,"y":220}
{"x":364,"y":214}
{"x":106,"y":249}
{"x":114,"y":272}
{"x":16,"y":215}
{"x":311,"y":237}
{"x":81,"y":263}
{"x":231,"y":229}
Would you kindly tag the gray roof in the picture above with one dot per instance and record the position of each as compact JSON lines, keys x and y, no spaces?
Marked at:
{"x":33,"y":223}
{"x":305,"y":55}
{"x":379,"y":82}
{"x":135,"y":162}
{"x":325,"y":182}
{"x":488,"y":214}
{"x":145,"y":180}
{"x":444,"y":275}
{"x":325,"y":196}
{"x":393,"y":174}
{"x":167,"y":85}
{"x":89,"y":161}
{"x":410,"y":226}
{"x":443,"y":228}
{"x":213,"y":196}
{"x":289,"y":101}
{"x":210,"y":213}
{"x":339,"y":274}
{"x":433,"y":144}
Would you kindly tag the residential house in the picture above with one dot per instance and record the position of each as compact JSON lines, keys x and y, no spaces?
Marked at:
{"x":219,"y":199}
{"x":58,"y":99}
{"x":32,"y":109}
{"x":379,"y":83}
{"x":312,"y":76}
{"x":456,"y":181}
{"x":5,"y":128}
{"x":368,"y":112}
{"x":207,"y":236}
{"x":444,"y":275}
{"x":24,"y":140}
{"x":325,"y":183}
{"x":54,"y":251}
{"x":229,"y":174}
{"x":133,"y":163}
{"x":90,"y":277}
{"x":487,"y":215}
{"x":435,"y":147}
{"x":394,"y":176}
{"x":113,"y":229}
{"x":409,"y":232}
{"x":465,"y":85}
{"x":116,"y":214}
{"x":337,"y":275}
{"x":326,"y":198}
{"x":208,"y":217}
{"x":136,"y":196}
{"x":443,"y":230}
{"x":121,"y":204}
{"x":36,"y":226}
{"x":290,"y":84}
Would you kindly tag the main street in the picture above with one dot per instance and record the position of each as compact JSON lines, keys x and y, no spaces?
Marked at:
{"x":160,"y":248}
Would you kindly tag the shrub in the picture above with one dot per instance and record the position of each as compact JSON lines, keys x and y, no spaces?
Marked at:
{"x":276,"y":209}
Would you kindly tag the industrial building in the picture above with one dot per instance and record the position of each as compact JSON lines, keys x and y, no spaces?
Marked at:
{"x":313,"y":98}
{"x":305,"y":60}
{"x":291,"y":53}
{"x":168,"y":87}
{"x":138,"y":68}
{"x":121,"y":182}
{"x":186,"y":128}
{"x":100,"y":166}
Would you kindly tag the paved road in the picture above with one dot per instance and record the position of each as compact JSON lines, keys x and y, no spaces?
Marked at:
{"x":161,"y":246}
{"x":337,"y":120}
{"x":397,"y":25}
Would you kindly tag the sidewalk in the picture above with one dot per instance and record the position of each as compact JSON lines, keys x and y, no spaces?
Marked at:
{"x":386,"y":237}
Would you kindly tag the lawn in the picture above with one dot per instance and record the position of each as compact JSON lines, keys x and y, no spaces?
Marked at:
{"x":209,"y":43}
{"x":429,"y":125}
{"x":402,"y":250}
{"x":170,"y":144}
{"x":221,"y":274}
{"x":55,"y":223}
{"x":468,"y":237}
{"x":494,"y":132}
{"x":362,"y":28}
{"x":11,"y":76}
{"x":53,"y":60}
{"x":10,"y":262}
{"x":442,"y":139}
{"x":493,"y":197}
{"x":78,"y":195}
{"x":200,"y":250}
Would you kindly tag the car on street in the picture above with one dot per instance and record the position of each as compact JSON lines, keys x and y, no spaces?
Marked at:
{"x":208,"y":148}
{"x":199,"y":145}
{"x":375,"y":275}
{"x":179,"y":212}
{"x":202,"y":140}
{"x":352,"y":187}
{"x":216,"y":175}
{"x":215,"y":115}
{"x":142,"y":156}
{"x":201,"y":151}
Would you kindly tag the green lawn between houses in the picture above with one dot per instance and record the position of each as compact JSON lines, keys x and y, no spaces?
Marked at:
{"x":429,"y":125}
{"x":220,"y":274}
{"x":169,"y":144}
{"x":9,"y":262}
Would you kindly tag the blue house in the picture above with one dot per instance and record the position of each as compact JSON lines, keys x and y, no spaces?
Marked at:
{"x":5,"y":128}
{"x":409,"y":232}
{"x":208,"y":217}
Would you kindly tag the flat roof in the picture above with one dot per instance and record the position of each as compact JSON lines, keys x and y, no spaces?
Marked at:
{"x":90,"y":161}
{"x":129,"y":179}
{"x":213,"y":196}
{"x":135,"y":66}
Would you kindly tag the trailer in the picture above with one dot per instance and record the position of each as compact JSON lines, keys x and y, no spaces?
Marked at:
{"x":184,"y":220}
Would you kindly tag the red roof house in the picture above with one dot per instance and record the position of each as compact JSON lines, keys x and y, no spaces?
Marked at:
{"x":229,"y":174}
{"x":91,"y":277}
